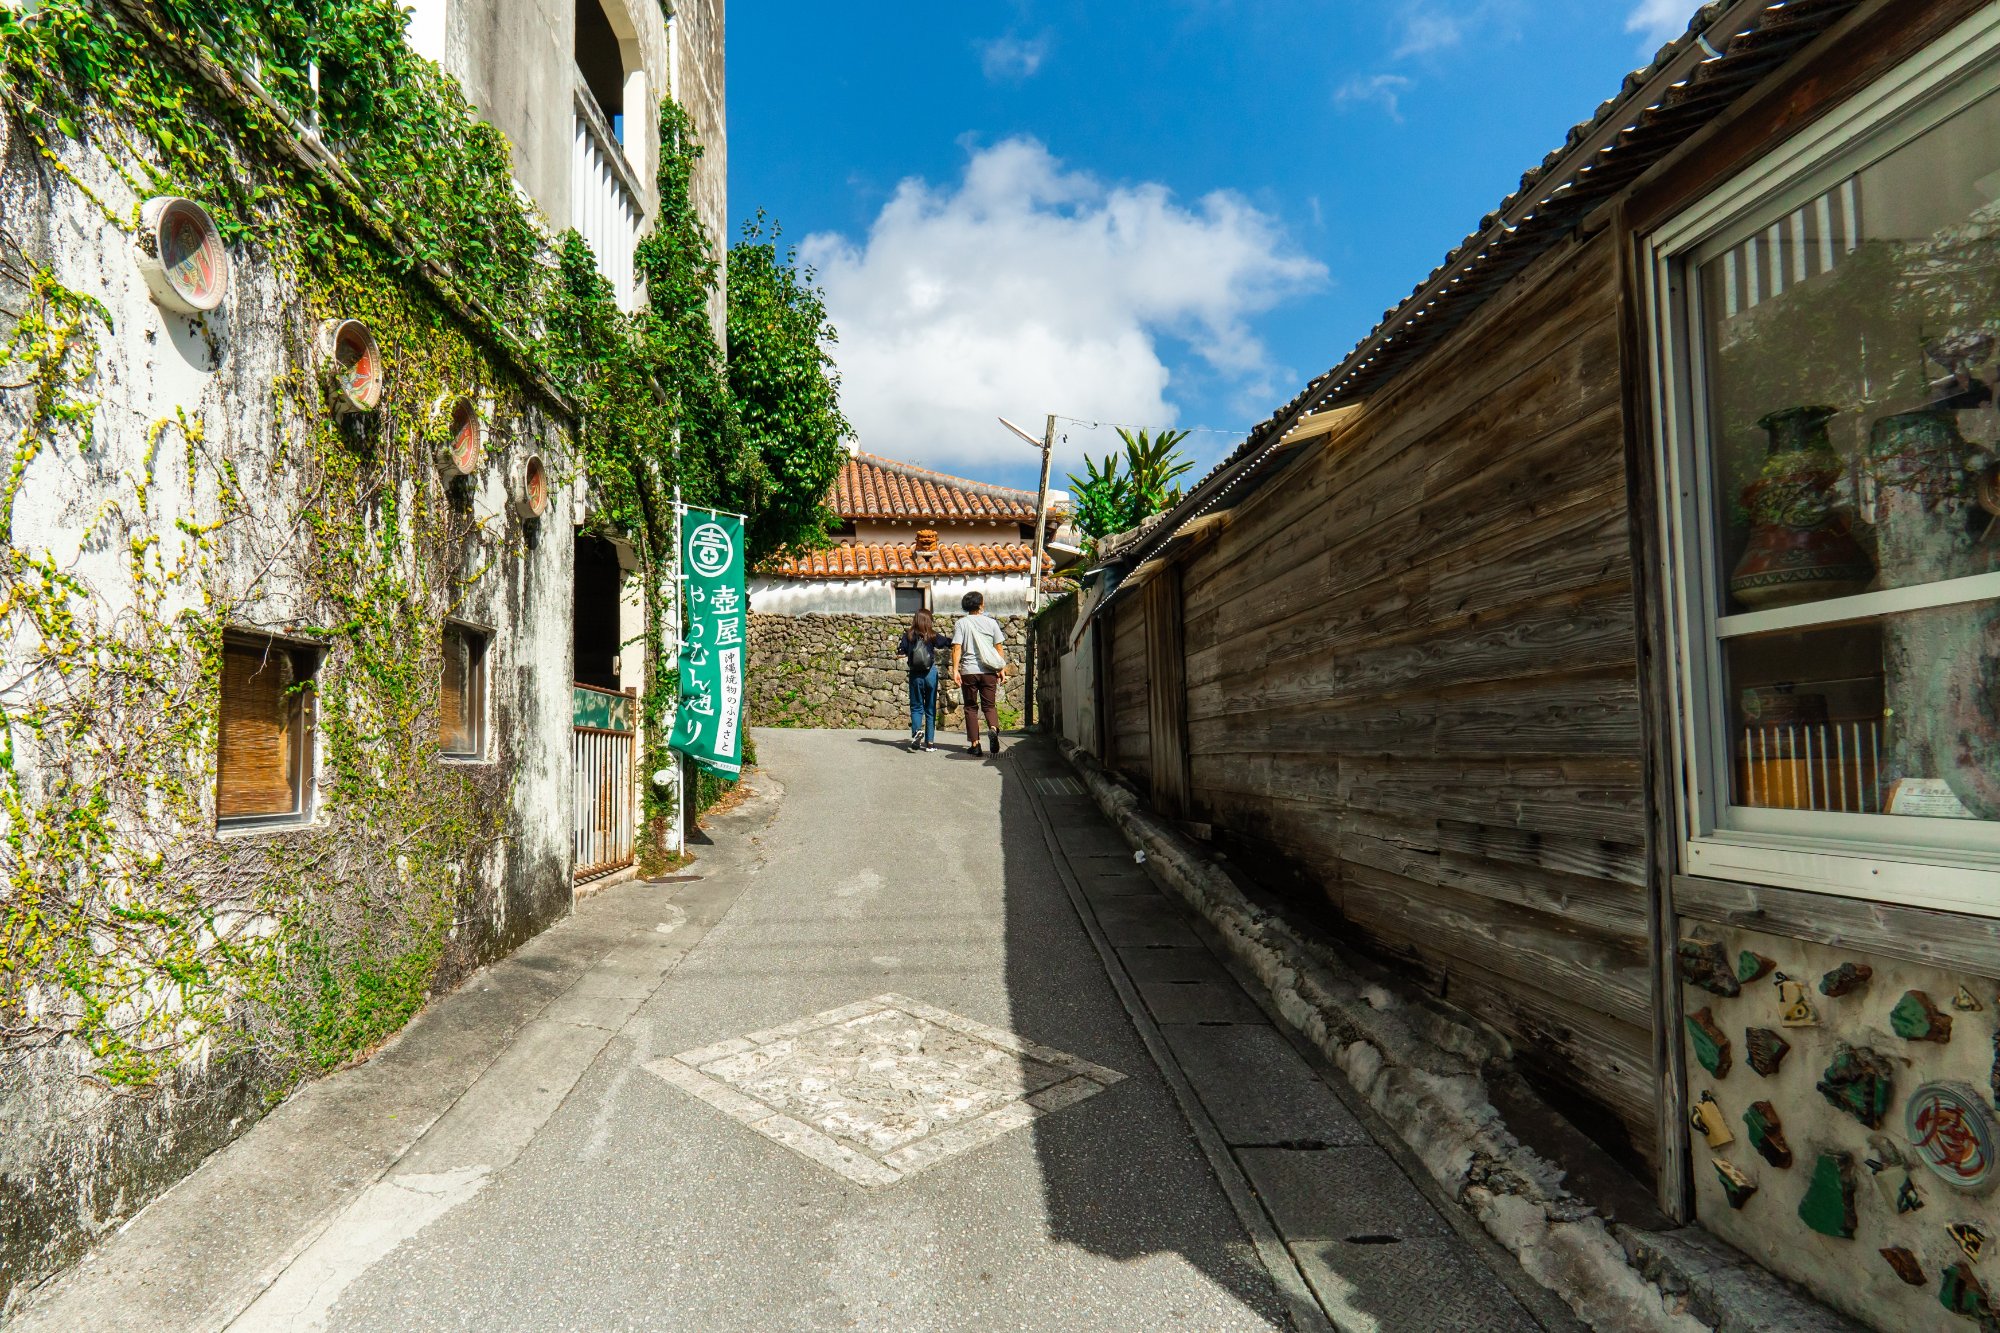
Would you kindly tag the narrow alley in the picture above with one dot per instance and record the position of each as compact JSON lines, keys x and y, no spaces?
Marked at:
{"x":917,"y":1046}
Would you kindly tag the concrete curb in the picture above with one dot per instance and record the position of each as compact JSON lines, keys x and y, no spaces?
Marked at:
{"x":1420,"y":1070}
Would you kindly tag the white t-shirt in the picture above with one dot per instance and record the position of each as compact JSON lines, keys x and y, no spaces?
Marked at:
{"x":967,"y":636}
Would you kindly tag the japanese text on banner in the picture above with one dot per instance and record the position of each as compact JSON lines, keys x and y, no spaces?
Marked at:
{"x":708,"y":725}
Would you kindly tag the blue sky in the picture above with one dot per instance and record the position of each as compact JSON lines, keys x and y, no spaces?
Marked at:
{"x":1163,"y":213}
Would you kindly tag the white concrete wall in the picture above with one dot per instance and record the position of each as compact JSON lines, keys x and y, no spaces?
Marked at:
{"x":1006,"y":595}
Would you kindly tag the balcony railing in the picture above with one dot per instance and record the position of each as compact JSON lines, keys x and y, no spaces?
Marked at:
{"x":604,"y":199}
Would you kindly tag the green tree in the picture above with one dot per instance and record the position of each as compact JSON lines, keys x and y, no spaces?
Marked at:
{"x":785,"y":387}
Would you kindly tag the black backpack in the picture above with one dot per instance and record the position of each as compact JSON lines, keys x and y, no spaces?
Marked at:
{"x":922,"y":659}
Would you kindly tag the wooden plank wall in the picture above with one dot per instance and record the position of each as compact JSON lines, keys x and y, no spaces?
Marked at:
{"x":1167,"y":694}
{"x":1411,"y":676}
{"x":1129,"y":692}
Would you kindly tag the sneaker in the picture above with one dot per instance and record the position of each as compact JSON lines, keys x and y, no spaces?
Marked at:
{"x":972,"y":748}
{"x":993,"y":742}
{"x":916,"y":744}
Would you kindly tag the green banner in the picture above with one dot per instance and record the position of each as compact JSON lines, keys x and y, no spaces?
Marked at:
{"x":708,"y":726}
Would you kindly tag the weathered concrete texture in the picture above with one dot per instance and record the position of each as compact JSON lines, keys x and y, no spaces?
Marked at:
{"x":842,"y":671}
{"x":1728,"y":1291}
{"x":177,"y":405}
{"x":1420,"y":1068}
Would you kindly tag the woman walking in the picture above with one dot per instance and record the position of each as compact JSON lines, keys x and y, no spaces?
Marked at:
{"x":921,"y":645}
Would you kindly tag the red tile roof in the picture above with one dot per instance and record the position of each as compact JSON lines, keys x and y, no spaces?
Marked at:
{"x":858,"y":561}
{"x":871,"y":487}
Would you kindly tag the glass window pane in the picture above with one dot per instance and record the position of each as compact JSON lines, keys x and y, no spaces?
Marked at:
{"x":1897,"y":716}
{"x":1849,"y":357}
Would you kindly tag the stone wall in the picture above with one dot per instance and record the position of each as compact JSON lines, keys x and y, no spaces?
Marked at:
{"x":842,"y":671}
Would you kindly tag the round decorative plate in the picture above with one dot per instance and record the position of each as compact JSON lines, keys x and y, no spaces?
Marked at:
{"x":1955,"y":1133}
{"x":468,"y":448}
{"x":531,"y":495}
{"x":181,"y":253}
{"x":353,"y":363}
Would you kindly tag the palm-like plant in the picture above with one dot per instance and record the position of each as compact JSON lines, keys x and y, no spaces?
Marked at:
{"x":1122,"y":491}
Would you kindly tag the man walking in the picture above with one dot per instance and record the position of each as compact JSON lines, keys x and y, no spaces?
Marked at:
{"x":979,"y":662}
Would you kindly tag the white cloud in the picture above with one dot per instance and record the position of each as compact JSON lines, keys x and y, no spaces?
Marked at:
{"x":1426,"y":30}
{"x":1660,"y":21}
{"x":1012,"y":59}
{"x":1383,"y":90}
{"x":1029,"y":287}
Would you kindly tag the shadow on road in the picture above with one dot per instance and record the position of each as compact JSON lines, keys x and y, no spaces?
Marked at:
{"x":1122,"y":1175}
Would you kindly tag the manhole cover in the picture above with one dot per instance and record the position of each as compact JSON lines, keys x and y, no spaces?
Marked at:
{"x":886,"y":1087}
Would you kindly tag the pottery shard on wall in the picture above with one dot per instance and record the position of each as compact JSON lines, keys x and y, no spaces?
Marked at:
{"x":1767,"y":1134}
{"x":1845,"y":979}
{"x":1711,"y":1047}
{"x":1905,"y":1264}
{"x":1765,"y":1049}
{"x":1828,"y":1207}
{"x":1752,"y":966}
{"x":1860,"y":1082}
{"x":1705,"y":963}
{"x":1736,"y":1186}
{"x":1959,"y":1292}
{"x":1966,"y":1002}
{"x":1915,"y":1018}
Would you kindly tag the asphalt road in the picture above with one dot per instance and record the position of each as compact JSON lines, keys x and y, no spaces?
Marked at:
{"x":638,"y":1206}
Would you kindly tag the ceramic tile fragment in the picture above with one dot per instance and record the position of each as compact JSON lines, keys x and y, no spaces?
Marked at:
{"x":1828,"y":1206}
{"x":1965,"y":1002}
{"x":1752,"y":966}
{"x":1711,"y":1046}
{"x":1905,"y":1264}
{"x":1860,"y":1082}
{"x":1737,"y":1187}
{"x":1765,"y":1050}
{"x":1795,"y":1007}
{"x":1915,"y":1018}
{"x":1705,"y":963}
{"x":1767,"y":1134}
{"x":1845,"y":979}
{"x":1959,"y":1291}
{"x":1709,"y":1121}
{"x":1970,"y":1239}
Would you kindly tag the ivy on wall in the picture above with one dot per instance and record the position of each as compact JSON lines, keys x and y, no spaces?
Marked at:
{"x":125,"y":924}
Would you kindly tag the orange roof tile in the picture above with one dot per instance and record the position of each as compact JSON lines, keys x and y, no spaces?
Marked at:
{"x":872,"y":487}
{"x":861,"y":561}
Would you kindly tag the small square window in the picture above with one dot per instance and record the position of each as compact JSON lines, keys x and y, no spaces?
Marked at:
{"x":909,"y":601}
{"x":264,"y":750}
{"x":462,"y":697}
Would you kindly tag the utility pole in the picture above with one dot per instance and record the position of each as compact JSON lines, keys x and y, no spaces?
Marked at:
{"x":1041,"y":518}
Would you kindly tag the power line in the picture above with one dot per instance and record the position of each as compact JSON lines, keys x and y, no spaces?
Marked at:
{"x":1126,"y":425}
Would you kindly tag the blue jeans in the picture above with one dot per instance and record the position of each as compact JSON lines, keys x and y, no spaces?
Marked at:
{"x":923,"y":706}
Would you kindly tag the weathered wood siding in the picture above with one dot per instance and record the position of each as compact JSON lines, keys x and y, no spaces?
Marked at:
{"x":1411,"y":675}
{"x":1129,"y":692}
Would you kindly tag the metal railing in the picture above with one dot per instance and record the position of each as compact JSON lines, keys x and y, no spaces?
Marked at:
{"x":605,"y":200}
{"x":603,"y":791}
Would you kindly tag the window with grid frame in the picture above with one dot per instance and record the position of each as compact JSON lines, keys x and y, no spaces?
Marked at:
{"x":265,"y":734}
{"x":1828,"y":329}
{"x":462,"y":692}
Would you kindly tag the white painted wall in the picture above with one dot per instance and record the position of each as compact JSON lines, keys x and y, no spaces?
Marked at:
{"x":1006,"y":595}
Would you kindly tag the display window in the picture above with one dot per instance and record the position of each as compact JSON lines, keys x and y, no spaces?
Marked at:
{"x":1827,"y":328}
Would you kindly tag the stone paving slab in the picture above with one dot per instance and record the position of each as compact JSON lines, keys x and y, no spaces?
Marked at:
{"x":1436,"y":1285}
{"x":1337,"y":1194}
{"x":1168,"y":963}
{"x":1105,"y":888}
{"x":1259,"y":1090}
{"x":1141,"y":921}
{"x":1198,"y":1002}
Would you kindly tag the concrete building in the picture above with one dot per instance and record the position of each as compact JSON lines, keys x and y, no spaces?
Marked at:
{"x":317,"y":698}
{"x":576,"y":86}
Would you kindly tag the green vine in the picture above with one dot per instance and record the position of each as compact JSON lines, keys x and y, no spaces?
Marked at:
{"x":129,"y":928}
